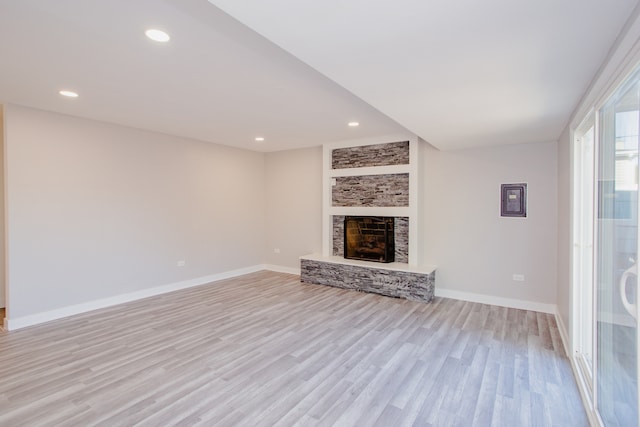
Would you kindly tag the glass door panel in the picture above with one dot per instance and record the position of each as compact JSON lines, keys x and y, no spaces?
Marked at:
{"x":584,"y":178}
{"x":616,"y":259}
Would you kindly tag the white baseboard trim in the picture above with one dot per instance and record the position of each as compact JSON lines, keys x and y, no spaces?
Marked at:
{"x":502,"y":302}
{"x":35,"y":319}
{"x":47,"y":316}
{"x":281,"y":269}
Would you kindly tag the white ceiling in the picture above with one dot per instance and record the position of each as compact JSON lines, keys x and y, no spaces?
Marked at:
{"x":216,"y":80}
{"x":456,"y":73}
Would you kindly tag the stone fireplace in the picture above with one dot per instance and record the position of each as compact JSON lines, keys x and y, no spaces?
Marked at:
{"x":371,"y":220}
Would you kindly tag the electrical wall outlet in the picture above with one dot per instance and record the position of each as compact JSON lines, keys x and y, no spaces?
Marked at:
{"x":276,"y":250}
{"x":181,"y":263}
{"x":518,"y":277}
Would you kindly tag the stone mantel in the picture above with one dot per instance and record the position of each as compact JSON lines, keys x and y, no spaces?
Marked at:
{"x":393,"y":266}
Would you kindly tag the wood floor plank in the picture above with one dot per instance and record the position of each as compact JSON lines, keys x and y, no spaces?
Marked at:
{"x":264,"y":350}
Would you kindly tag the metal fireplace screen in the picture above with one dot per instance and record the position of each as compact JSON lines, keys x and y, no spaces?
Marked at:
{"x":369,"y":238}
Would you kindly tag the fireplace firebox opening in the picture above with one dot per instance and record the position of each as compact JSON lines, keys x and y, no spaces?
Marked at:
{"x":369,"y":238}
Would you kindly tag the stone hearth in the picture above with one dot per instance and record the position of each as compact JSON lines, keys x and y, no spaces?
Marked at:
{"x":394,"y":281}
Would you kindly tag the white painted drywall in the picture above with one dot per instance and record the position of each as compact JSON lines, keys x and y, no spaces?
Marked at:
{"x":96,"y":210}
{"x":564,"y":229}
{"x":2,"y":234}
{"x":475,"y":249}
{"x":293,"y":205}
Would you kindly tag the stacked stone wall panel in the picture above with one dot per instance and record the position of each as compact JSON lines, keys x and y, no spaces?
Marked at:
{"x":401,"y":234}
{"x":389,"y":190}
{"x":338,"y":235}
{"x":393,"y":153}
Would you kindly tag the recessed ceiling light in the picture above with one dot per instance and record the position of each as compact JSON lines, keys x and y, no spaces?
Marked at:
{"x":157,"y":35}
{"x":259,"y":138}
{"x":68,"y":93}
{"x":353,"y":124}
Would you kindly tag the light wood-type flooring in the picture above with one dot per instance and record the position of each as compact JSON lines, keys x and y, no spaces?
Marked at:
{"x":264,"y":349}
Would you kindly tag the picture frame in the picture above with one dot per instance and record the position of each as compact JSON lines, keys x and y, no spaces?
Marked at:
{"x":513,"y":200}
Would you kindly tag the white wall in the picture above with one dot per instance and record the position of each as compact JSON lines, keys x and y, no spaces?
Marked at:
{"x":96,"y":210}
{"x":564,"y":230}
{"x":293,"y":206}
{"x":475,"y":249}
{"x":2,"y":239}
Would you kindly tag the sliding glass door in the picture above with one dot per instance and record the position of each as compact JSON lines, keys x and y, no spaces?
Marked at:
{"x":616,"y":258}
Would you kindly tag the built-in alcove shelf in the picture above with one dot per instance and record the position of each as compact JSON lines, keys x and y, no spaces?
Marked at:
{"x":364,"y":211}
{"x":394,"y":279}
{"x":371,"y":170}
